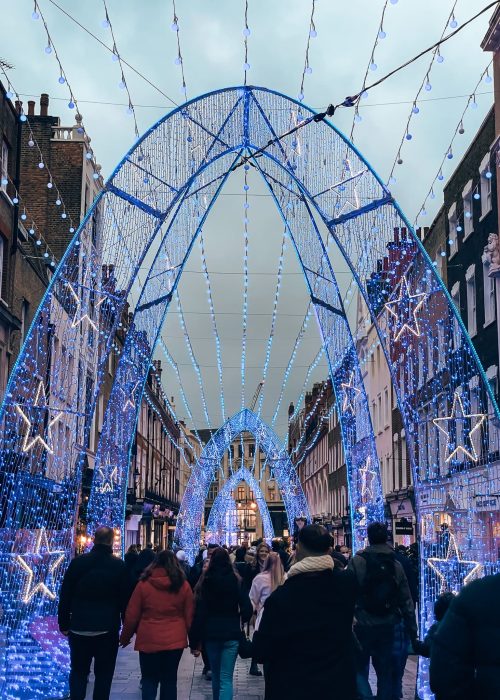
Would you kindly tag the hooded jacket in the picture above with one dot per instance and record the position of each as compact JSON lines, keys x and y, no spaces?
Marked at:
{"x":158,"y":617}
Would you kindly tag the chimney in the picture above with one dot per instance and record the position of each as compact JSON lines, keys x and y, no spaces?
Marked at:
{"x":19,"y":106}
{"x":291,"y":409}
{"x":44,"y":104}
{"x":31,"y":108}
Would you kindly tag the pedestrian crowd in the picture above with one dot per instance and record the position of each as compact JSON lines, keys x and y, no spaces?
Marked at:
{"x":319,"y":617}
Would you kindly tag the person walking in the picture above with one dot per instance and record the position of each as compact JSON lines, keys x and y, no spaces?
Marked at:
{"x":144,"y":559}
{"x":278,"y":547}
{"x":265,"y":583}
{"x":465,"y":651}
{"x":240,"y":563}
{"x":222,"y":605}
{"x":93,"y":597}
{"x":183,"y":562}
{"x":384,"y":600}
{"x":131,"y":557}
{"x":304,"y":637}
{"x":160,"y":613}
{"x":255,"y":568}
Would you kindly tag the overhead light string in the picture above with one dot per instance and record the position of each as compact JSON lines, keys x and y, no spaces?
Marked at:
{"x":424,"y":85}
{"x":246,"y":34}
{"x":459,"y":130}
{"x":307,"y":70}
{"x":123,"y":85}
{"x":179,"y":61}
{"x":372,"y":66}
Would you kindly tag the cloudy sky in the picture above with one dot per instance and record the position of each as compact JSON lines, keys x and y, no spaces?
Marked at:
{"x":212,"y":48}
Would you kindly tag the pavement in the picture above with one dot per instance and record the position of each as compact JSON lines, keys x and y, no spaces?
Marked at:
{"x":191,"y":685}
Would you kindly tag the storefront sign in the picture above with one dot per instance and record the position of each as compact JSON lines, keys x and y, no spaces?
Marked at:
{"x":486,"y":503}
{"x":403,"y":527}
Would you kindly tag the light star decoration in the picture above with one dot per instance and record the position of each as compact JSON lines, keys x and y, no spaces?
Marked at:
{"x":367,"y":477}
{"x":109,"y":478}
{"x":453,"y":571}
{"x":350,"y":393}
{"x":80,"y":315}
{"x":45,"y":440}
{"x":405,"y":310}
{"x":40,"y":569}
{"x":458,"y":414}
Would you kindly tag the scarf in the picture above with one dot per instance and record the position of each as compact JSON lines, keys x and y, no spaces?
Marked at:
{"x":309,"y":564}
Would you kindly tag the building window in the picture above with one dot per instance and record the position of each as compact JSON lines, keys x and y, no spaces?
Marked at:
{"x":455,"y":295}
{"x":486,"y":175}
{"x":240,"y":494}
{"x":386,"y":407}
{"x":453,"y":230}
{"x":470,"y":277}
{"x":467,"y":202}
{"x":489,"y":294}
{"x":2,"y":256}
{"x":251,"y":449}
{"x":4,"y":166}
{"x":272,"y":495}
{"x":240,"y":450}
{"x":441,"y":254}
{"x":493,"y":432}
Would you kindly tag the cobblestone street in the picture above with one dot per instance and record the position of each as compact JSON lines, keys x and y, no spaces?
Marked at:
{"x":193,"y":686}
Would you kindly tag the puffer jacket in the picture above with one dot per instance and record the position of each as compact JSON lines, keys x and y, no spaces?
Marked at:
{"x":159,"y":617}
{"x":465,"y":653}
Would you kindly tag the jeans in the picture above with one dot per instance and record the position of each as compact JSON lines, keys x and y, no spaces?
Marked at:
{"x":376,"y":643}
{"x":400,"y":645}
{"x":160,"y":668}
{"x":222,"y":656}
{"x":103,"y":649}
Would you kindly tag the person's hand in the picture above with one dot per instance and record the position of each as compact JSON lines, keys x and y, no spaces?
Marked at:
{"x":195,"y":652}
{"x":124,"y":643}
{"x":64,"y":632}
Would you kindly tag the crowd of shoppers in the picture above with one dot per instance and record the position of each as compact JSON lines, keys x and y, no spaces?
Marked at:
{"x":320,"y":617}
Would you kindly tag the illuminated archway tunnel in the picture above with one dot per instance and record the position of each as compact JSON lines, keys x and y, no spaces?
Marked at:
{"x":149,"y":215}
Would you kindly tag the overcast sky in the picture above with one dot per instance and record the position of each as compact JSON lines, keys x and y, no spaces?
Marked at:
{"x":212,"y":47}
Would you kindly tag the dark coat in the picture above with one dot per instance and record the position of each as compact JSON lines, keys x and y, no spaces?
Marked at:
{"x":222,"y":605}
{"x":305,"y":637}
{"x":145,"y":558}
{"x":465,"y":653}
{"x":94,"y":592}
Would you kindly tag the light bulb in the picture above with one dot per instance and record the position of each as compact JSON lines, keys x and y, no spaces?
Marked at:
{"x":382,"y":34}
{"x":373,"y":66}
{"x":246,"y":31}
{"x":415,"y":109}
{"x":428,"y":86}
{"x":313,"y":33}
{"x":440,"y":59}
{"x":35,"y":15}
{"x":48,"y":49}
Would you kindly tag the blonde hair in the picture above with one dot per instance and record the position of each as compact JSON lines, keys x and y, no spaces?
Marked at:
{"x":274,"y":566}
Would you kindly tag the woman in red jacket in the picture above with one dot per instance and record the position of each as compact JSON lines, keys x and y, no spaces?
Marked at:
{"x":160,"y":613}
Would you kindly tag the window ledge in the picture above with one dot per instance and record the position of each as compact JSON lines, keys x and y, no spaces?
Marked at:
{"x":488,"y":323}
{"x":467,"y":235}
{"x":452,"y":253}
{"x":472,"y":333}
{"x":485,"y":214}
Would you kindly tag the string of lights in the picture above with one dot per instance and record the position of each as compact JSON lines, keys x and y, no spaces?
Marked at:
{"x":424,"y":85}
{"x":244,"y":319}
{"x":372,"y":66}
{"x":246,"y":34}
{"x":179,"y":61}
{"x":123,"y":85}
{"x":307,"y":70}
{"x":459,"y":130}
{"x":214,"y":325}
{"x":51,"y":49}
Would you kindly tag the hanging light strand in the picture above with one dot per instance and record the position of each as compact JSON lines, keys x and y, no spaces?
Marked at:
{"x":246,"y":34}
{"x":179,"y":59}
{"x":459,"y":130}
{"x":51,"y":49}
{"x":424,"y":85}
{"x":307,"y":70}
{"x":371,"y":66}
{"x":245,"y":292}
{"x":123,"y":85}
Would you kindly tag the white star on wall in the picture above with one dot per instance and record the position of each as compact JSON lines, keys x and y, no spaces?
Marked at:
{"x":350,"y":394}
{"x":453,"y":571}
{"x":367,"y":477}
{"x":44,"y":439}
{"x":109,"y":479}
{"x":81,"y":312}
{"x":458,"y":414}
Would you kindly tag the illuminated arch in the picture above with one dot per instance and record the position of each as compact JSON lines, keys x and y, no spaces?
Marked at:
{"x":224,"y":504}
{"x":152,"y":209}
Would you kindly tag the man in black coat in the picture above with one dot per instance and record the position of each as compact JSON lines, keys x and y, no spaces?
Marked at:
{"x":465,"y":653}
{"x":305,"y":634}
{"x":93,"y":597}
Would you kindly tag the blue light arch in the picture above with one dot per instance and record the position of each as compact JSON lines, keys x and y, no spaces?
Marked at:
{"x":152,"y":208}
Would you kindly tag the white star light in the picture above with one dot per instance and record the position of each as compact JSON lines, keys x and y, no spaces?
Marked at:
{"x":458,"y":414}
{"x":38,"y":574}
{"x":30,"y":441}
{"x":453,"y":571}
{"x":367,"y":477}
{"x":406,"y":316}
{"x":109,"y":478}
{"x":350,"y":393}
{"x":79,"y":317}
{"x":130,"y":400}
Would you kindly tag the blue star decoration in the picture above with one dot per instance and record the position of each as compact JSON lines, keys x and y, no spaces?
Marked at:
{"x":404,"y":310}
{"x":109,"y":477}
{"x":36,"y":431}
{"x":453,"y":571}
{"x":39,"y":567}
{"x":350,"y":394}
{"x":367,"y":478}
{"x":458,"y":415}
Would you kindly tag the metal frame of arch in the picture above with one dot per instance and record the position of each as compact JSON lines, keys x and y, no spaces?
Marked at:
{"x":151,"y":210}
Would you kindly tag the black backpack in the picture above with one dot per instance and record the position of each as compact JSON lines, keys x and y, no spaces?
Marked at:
{"x":379,"y":590}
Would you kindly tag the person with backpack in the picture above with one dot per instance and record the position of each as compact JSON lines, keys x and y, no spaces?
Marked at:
{"x":384,"y":600}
